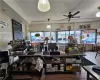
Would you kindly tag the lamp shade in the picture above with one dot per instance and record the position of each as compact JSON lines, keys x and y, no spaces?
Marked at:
{"x":98,"y":14}
{"x":43,"y":5}
{"x":37,"y":35}
{"x":48,"y":26}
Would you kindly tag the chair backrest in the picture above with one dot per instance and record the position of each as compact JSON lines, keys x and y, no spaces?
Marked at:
{"x":45,"y":53}
{"x":52,"y":46}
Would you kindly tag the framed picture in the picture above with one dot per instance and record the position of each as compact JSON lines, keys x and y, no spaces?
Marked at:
{"x":17,"y":30}
{"x":88,"y":26}
{"x":85,"y":26}
{"x":98,"y":33}
{"x":80,"y":27}
{"x":69,"y":27}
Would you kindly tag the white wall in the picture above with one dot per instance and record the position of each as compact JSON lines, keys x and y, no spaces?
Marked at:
{"x":42,"y":27}
{"x":5,"y":33}
{"x":98,"y":30}
{"x":74,"y":26}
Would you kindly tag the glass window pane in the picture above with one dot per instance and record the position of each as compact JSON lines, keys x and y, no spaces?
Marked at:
{"x":98,"y":37}
{"x":47,"y":34}
{"x":67,"y":34}
{"x":37,"y":39}
{"x":89,"y":36}
{"x":53,"y":37}
{"x":72,"y":33}
{"x":29,"y":36}
{"x":61,"y":37}
{"x":77,"y":36}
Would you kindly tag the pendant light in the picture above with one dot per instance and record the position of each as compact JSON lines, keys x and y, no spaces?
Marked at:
{"x":48,"y":26}
{"x":98,"y":13}
{"x":43,"y":5}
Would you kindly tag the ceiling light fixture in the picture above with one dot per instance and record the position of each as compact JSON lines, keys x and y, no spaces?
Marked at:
{"x":48,"y":26}
{"x":43,"y":5}
{"x":98,"y":13}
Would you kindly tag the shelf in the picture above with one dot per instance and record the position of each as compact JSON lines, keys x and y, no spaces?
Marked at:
{"x":24,"y":70}
{"x":56,"y":60}
{"x":21,"y":77}
{"x":53,"y":62}
{"x":27,"y":55}
{"x":63,"y":56}
{"x":59,"y":72}
{"x":39,"y":55}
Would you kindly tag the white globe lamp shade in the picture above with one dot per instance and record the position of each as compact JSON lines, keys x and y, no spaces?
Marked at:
{"x":48,"y":26}
{"x":43,"y":5}
{"x":98,"y":14}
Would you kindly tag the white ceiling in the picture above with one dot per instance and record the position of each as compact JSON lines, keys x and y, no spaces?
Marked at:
{"x":4,"y":8}
{"x":87,"y":8}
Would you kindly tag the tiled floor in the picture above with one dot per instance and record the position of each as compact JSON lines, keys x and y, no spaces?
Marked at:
{"x":89,"y":55}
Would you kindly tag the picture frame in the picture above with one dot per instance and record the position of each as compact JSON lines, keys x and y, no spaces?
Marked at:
{"x":85,"y":26}
{"x":17,"y":30}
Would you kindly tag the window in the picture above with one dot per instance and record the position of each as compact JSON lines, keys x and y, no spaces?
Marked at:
{"x":98,"y":37}
{"x":53,"y":36}
{"x":89,"y":36}
{"x":61,"y":37}
{"x":67,"y":34}
{"x":47,"y":34}
{"x":72,"y":33}
{"x":77,"y":36}
{"x":37,"y":39}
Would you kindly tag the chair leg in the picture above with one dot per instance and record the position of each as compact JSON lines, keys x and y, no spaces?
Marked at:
{"x":96,"y":55}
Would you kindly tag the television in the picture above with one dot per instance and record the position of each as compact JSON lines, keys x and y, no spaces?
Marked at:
{"x":4,"y":56}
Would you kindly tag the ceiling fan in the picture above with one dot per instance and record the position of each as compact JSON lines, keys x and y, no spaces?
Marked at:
{"x":70,"y":15}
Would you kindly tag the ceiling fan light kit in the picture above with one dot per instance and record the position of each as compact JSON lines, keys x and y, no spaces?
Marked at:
{"x":98,"y":13}
{"x":43,"y":5}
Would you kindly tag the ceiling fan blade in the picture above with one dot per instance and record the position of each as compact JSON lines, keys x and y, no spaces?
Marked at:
{"x":75,"y":16}
{"x":65,"y":15}
{"x":76,"y":13}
